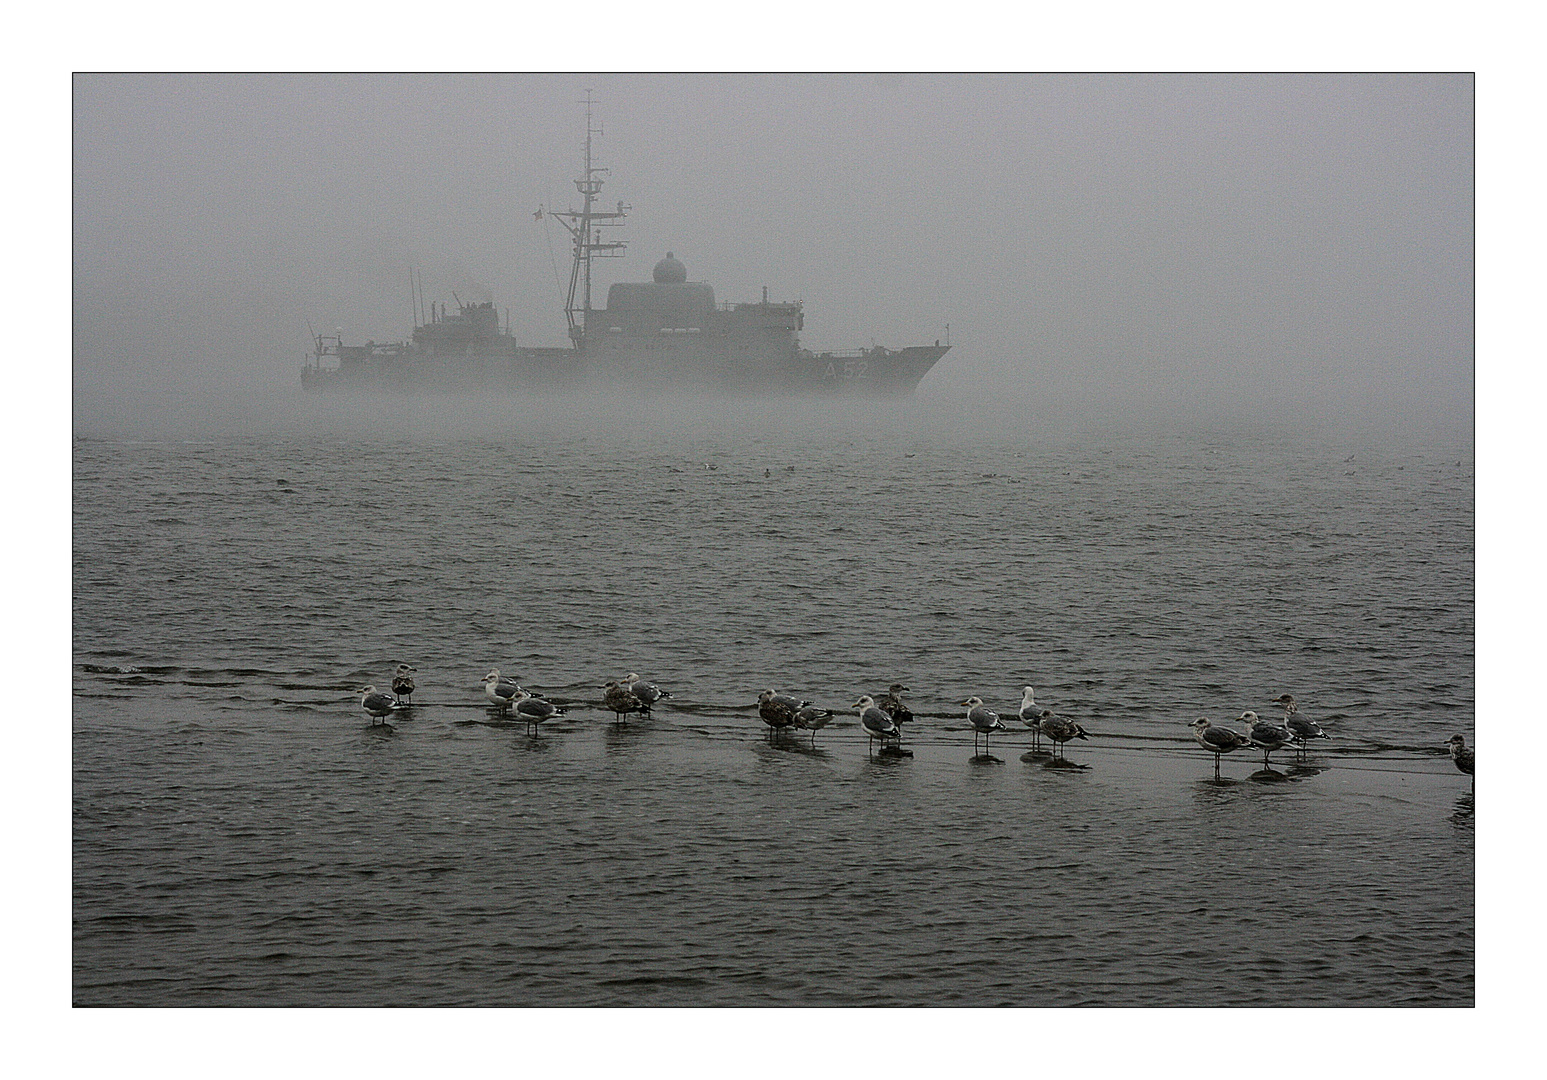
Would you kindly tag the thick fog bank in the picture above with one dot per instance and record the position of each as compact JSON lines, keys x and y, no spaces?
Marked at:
{"x":954,"y":417}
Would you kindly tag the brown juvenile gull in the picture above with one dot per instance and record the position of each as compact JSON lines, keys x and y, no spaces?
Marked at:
{"x":378,"y":705}
{"x":403,"y":683}
{"x":1269,"y":737}
{"x":778,"y":710}
{"x":892,"y":704}
{"x":1217,"y":739}
{"x":1060,"y":729}
{"x":620,"y":700}
{"x":875,"y":723}
{"x":1464,"y":758}
{"x":984,"y":721}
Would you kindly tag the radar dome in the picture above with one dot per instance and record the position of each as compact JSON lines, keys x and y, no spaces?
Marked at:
{"x":670,"y":272}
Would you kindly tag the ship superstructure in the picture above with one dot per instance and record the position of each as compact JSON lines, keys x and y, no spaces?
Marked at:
{"x":666,"y":333}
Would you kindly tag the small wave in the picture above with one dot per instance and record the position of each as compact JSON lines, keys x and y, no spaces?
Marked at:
{"x":656,"y":980}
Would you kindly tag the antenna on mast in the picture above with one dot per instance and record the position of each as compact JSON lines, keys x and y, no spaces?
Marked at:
{"x":584,"y":227}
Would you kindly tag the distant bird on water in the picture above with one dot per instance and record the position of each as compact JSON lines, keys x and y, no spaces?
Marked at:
{"x":778,"y":711}
{"x":875,"y":723}
{"x":1463,"y":756}
{"x":1217,"y":739}
{"x":1031,"y":715}
{"x":1060,"y":729}
{"x":1301,"y":728}
{"x":499,"y":690}
{"x":534,"y":710}
{"x":984,"y":721}
{"x":647,"y":692}
{"x":403,"y":683}
{"x":620,"y":700}
{"x":1267,"y":737}
{"x":378,"y":705}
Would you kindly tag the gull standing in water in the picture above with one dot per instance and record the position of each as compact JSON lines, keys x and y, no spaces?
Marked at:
{"x":984,"y":721}
{"x":1060,"y":729}
{"x":875,"y":723}
{"x":810,"y":718}
{"x":500,"y":690}
{"x":778,"y":711}
{"x":1217,"y":739}
{"x":892,"y":705}
{"x":647,"y":692}
{"x":1031,"y":715}
{"x":1463,"y":756}
{"x":378,"y":705}
{"x":1301,"y":728}
{"x":620,"y":700}
{"x":1269,"y":737}
{"x":534,"y":710}
{"x":403,"y":683}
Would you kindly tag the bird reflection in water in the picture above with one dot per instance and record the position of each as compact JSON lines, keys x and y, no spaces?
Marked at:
{"x":620,"y":736}
{"x":1269,"y":776}
{"x":530,"y":744}
{"x":1214,"y":785}
{"x":1462,"y":816}
{"x":782,"y":745}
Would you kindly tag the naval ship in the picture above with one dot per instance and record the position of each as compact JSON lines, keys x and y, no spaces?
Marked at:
{"x":667,"y":333}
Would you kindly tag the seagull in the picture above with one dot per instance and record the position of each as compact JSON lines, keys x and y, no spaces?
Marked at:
{"x":810,"y":718}
{"x":647,"y":692}
{"x":892,"y":704}
{"x":403,"y":683}
{"x":378,"y":705}
{"x":1217,"y":739}
{"x":1463,"y":757}
{"x":534,"y":710}
{"x":620,"y":700}
{"x":498,"y":689}
{"x":1060,"y":729}
{"x":875,"y":723}
{"x":1265,"y":735}
{"x":1031,"y":716}
{"x":984,"y":721}
{"x":778,"y":710}
{"x":1301,"y":728}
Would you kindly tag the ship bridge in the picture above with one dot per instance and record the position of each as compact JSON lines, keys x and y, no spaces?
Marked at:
{"x":672,"y":305}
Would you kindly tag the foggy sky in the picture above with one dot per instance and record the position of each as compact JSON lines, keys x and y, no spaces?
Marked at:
{"x":1283,"y":242}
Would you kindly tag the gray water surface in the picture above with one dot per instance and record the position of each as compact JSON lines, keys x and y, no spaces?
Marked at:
{"x":243,"y":835}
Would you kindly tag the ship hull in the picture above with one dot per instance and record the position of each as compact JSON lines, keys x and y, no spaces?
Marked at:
{"x":875,"y":372}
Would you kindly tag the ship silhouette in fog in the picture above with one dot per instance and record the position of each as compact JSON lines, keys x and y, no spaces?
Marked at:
{"x":666,"y":333}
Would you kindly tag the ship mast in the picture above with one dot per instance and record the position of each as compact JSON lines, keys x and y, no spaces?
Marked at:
{"x":585,"y":227}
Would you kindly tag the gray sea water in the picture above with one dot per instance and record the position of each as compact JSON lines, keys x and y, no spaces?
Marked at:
{"x":244,"y":835}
